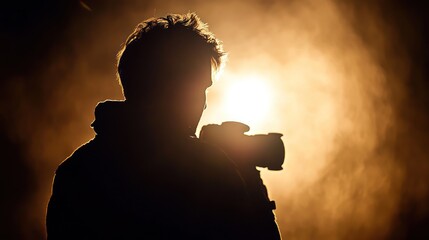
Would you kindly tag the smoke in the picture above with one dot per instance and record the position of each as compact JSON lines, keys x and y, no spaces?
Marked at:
{"x":340,"y":75}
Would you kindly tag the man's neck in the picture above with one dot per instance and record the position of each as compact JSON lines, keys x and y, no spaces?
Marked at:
{"x":156,"y":120}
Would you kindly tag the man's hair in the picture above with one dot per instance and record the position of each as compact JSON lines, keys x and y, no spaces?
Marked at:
{"x":162,"y":47}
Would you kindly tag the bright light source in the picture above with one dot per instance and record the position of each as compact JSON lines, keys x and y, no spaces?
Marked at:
{"x":247,"y":100}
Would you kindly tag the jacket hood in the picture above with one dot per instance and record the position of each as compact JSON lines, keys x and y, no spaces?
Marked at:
{"x":110,"y":117}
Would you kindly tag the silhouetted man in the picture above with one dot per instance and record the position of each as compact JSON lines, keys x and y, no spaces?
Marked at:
{"x":145,"y":175}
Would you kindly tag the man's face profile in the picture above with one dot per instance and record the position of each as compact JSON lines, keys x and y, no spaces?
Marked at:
{"x":187,"y":96}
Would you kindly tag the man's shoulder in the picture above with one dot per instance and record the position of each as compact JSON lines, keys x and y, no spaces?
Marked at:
{"x":82,"y":158}
{"x":210,"y":152}
{"x":215,"y":161}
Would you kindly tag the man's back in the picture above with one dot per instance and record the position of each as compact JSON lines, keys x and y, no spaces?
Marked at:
{"x":153,"y":186}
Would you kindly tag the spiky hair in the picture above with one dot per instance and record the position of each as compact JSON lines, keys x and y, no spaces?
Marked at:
{"x":188,"y":21}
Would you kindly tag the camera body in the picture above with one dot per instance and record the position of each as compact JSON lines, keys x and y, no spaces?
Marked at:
{"x":261,"y":150}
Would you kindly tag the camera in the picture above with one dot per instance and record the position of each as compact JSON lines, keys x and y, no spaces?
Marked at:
{"x":261,"y":150}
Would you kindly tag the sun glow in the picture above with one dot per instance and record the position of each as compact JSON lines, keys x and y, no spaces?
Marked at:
{"x":247,"y":100}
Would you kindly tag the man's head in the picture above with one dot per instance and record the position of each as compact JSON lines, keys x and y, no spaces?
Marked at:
{"x":166,"y":66}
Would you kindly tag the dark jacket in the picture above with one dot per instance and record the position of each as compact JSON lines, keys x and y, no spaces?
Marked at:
{"x":137,"y":181}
